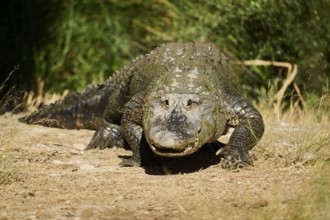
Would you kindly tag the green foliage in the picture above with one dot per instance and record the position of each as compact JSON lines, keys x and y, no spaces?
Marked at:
{"x":290,"y":31}
{"x":91,"y":40}
{"x":71,"y":44}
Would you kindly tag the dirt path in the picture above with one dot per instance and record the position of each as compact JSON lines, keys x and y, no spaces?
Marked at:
{"x":53,"y":178}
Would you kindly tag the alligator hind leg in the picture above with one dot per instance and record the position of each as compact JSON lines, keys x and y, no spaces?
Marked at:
{"x":107,"y":135}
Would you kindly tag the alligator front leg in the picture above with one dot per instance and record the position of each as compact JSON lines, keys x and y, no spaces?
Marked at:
{"x":133,"y":132}
{"x":249,"y":128}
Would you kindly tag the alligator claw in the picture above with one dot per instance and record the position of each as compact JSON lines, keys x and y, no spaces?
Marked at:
{"x":129,"y":162}
{"x":232,"y":158}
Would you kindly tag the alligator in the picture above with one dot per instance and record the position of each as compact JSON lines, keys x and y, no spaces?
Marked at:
{"x":167,"y":103}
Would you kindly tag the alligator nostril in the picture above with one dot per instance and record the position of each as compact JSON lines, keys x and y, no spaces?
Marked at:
{"x":166,"y":103}
{"x":189,"y":103}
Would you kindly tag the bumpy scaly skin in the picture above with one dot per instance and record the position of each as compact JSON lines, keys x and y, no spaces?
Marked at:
{"x":169,"y":102}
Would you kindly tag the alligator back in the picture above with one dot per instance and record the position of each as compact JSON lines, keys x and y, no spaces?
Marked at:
{"x":172,"y":58}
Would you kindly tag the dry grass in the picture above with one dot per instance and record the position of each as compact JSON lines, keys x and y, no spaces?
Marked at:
{"x":306,"y":146}
{"x":8,"y":173}
{"x":314,"y":155}
{"x":32,"y":101}
{"x":314,"y":203}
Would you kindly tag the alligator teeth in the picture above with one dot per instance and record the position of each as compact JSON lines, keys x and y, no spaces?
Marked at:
{"x":153,"y":147}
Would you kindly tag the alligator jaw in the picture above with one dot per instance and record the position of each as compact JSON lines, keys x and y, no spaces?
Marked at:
{"x":172,"y":152}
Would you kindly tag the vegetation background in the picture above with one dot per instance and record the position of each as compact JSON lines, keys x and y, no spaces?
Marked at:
{"x":68,"y":44}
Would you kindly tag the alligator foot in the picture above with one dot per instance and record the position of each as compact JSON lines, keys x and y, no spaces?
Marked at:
{"x":232,"y":158}
{"x":129,"y":162}
{"x":108,"y":135}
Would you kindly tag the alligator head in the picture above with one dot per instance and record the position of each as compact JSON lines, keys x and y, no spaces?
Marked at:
{"x":181,"y":115}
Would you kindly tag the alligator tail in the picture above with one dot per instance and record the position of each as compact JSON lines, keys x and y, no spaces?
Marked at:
{"x":77,"y":110}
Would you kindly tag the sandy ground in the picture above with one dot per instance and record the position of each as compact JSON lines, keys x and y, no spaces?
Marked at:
{"x":57,"y":179}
